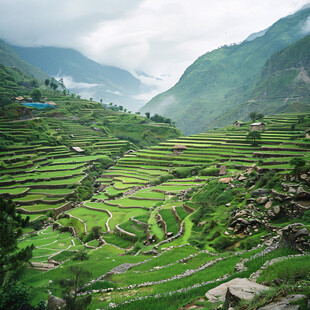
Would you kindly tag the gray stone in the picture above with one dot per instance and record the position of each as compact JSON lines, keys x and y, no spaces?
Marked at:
{"x":55,"y":303}
{"x":222,"y":170}
{"x":261,"y":200}
{"x":260,"y":192}
{"x":292,"y":190}
{"x":268,"y":204}
{"x":304,"y":176}
{"x":302,"y":232}
{"x":276,"y":210}
{"x":284,"y":303}
{"x":241,"y":287}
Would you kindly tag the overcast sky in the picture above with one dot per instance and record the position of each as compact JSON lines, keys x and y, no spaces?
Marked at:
{"x":158,"y":37}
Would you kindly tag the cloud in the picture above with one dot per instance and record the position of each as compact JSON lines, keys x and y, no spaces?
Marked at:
{"x":160,"y":38}
{"x":305,"y":29}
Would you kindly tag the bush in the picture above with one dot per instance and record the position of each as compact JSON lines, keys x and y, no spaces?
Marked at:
{"x":210,"y":172}
{"x":223,"y":242}
{"x":306,"y":217}
{"x":80,"y":255}
{"x":183,"y":172}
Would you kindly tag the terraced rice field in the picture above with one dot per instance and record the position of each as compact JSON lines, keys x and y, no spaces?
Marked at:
{"x":140,"y":204}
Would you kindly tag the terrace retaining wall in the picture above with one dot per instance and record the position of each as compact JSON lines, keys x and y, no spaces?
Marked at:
{"x":163,"y":224}
{"x":176,"y":216}
{"x":121,"y":207}
{"x":188,"y":209}
{"x":152,"y":199}
{"x":121,"y":232}
{"x":102,"y":210}
{"x":67,"y":206}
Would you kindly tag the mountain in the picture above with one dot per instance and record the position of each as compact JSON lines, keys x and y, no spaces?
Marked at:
{"x":219,"y":81}
{"x":284,"y":85}
{"x":85,"y":76}
{"x":8,"y":57}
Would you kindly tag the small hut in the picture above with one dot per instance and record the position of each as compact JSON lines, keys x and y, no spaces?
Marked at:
{"x":52,"y":103}
{"x":308,"y":133}
{"x":20,"y":99}
{"x":179,"y":148}
{"x":257,"y":126}
{"x":238,"y":124}
{"x":77,"y":149}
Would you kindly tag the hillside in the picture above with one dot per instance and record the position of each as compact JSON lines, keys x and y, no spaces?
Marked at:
{"x":222,"y":79}
{"x":104,"y":82}
{"x":165,"y":224}
{"x":284,"y":85}
{"x":8,"y":57}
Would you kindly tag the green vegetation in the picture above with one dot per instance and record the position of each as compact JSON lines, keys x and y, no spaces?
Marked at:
{"x":256,"y":75}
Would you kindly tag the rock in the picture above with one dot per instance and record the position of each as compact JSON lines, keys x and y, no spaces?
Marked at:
{"x":291,"y":190}
{"x":304,"y":176}
{"x":228,"y":205}
{"x":242,"y":178}
{"x":260,"y":192}
{"x":55,"y":303}
{"x":276,"y":210}
{"x":218,"y":293}
{"x":301,"y":232}
{"x":291,"y":237}
{"x":200,"y":224}
{"x":301,"y":193}
{"x":169,"y":234}
{"x":226,"y":233}
{"x":222,"y":170}
{"x":243,"y":289}
{"x":225,"y":180}
{"x":261,"y":200}
{"x":284,"y":303}
{"x":268,"y":204}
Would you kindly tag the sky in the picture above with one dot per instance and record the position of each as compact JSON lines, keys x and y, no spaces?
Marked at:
{"x":160,"y":38}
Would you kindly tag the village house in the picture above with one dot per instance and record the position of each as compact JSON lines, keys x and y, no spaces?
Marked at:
{"x":238,"y":124}
{"x":179,"y":148}
{"x":257,"y":126}
{"x":19,"y":99}
{"x":77,"y":149}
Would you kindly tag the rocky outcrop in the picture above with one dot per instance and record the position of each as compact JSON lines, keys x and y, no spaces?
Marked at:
{"x":242,"y":289}
{"x":296,"y":236}
{"x":234,"y":290}
{"x":55,"y":303}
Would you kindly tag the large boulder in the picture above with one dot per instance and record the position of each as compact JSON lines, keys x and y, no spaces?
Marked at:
{"x":242,"y":288}
{"x":55,"y":303}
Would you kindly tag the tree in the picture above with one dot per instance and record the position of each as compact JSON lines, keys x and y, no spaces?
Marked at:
{"x":11,"y":224}
{"x":91,"y":98}
{"x":253,"y":116}
{"x":148,"y":114}
{"x":77,"y":277}
{"x":53,"y":85}
{"x":121,"y":108}
{"x":36,"y":94}
{"x":34,"y":83}
{"x":47,"y":82}
{"x":260,"y":115}
{"x":16,"y":295}
{"x":253,"y":137}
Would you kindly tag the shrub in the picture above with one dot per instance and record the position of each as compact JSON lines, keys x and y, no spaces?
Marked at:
{"x":210,"y":172}
{"x":223,"y":242}
{"x":80,"y":255}
{"x":306,"y":217}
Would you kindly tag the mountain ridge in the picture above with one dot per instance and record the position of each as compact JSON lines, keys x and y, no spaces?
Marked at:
{"x":222,"y":79}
